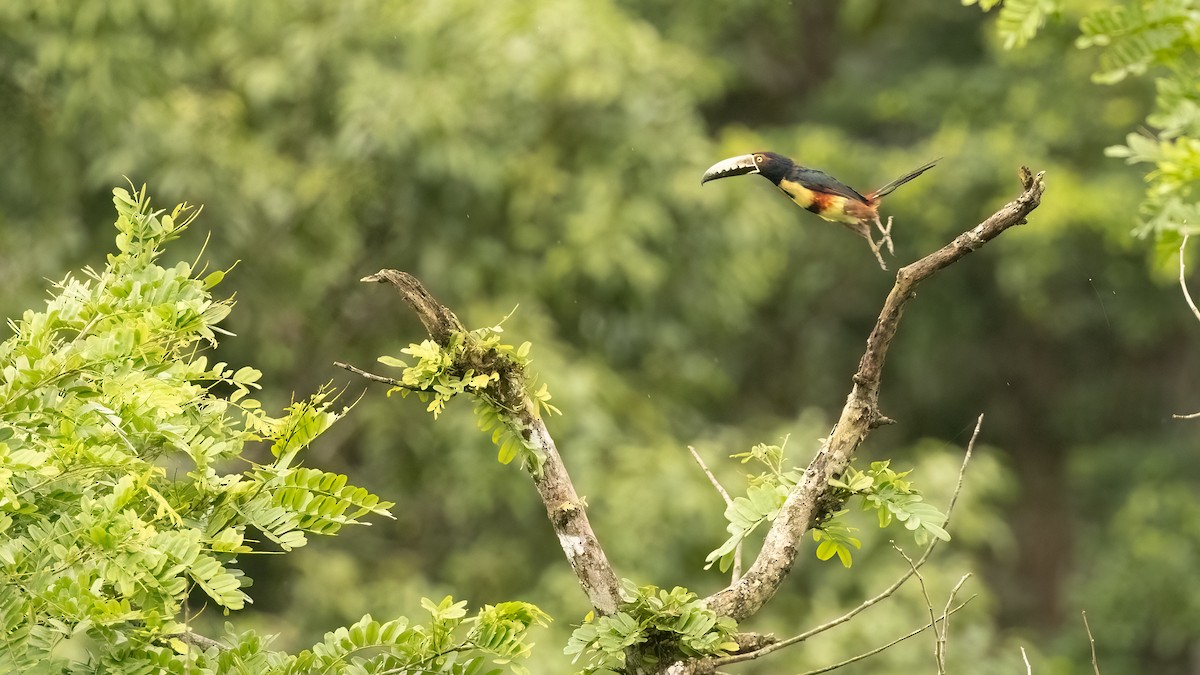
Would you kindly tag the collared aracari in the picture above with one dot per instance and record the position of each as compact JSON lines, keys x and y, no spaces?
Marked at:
{"x":820,"y":193}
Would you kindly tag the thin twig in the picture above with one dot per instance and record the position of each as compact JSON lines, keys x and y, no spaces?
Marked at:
{"x":737,"y":552}
{"x":889,"y":645}
{"x":928,"y":604}
{"x":371,"y":376}
{"x":200,"y":641}
{"x":941,"y":650}
{"x":711,"y":478}
{"x":1195,"y":312}
{"x":1182,"y":283}
{"x":962,"y":470}
{"x":1025,"y":657}
{"x":1092,"y":640}
{"x":883,"y":595}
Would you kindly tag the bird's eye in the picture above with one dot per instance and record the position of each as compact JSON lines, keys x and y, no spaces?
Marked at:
{"x":758,"y":159}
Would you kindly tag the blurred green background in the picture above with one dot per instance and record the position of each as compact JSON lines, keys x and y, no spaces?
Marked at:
{"x":547,"y":154}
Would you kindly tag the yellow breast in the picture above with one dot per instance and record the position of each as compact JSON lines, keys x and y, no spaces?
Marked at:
{"x":828,"y":206}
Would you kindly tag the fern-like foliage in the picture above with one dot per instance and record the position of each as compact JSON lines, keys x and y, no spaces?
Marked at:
{"x":666,"y":624}
{"x":1138,"y":35}
{"x":1137,"y":38}
{"x":113,"y":427}
{"x":1020,"y":20}
{"x":492,"y":641}
{"x":451,"y":643}
{"x":1157,"y":34}
{"x":438,"y":375}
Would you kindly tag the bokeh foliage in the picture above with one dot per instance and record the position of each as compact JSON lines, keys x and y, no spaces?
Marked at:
{"x":546,"y":155}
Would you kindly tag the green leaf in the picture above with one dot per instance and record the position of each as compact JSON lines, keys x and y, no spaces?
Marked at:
{"x":213,"y":279}
{"x":508,"y":450}
{"x":1020,"y":20}
{"x":392,"y":361}
{"x":844,"y":556}
{"x":826,"y":549}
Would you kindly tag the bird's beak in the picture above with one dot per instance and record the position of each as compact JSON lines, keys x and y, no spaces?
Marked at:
{"x":734,"y":166}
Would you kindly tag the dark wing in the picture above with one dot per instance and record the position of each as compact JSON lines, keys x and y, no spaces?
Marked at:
{"x":819,"y":181}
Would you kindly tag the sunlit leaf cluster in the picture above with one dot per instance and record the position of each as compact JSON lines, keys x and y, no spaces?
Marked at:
{"x":451,"y":643}
{"x":124,"y":483}
{"x":764,"y":497}
{"x":891,"y":497}
{"x":439,"y":374}
{"x":665,"y":624}
{"x":1164,"y":36}
{"x":489,"y":642}
{"x":1138,"y":35}
{"x":1137,"y":38}
{"x":1020,"y":20}
{"x":880,"y":488}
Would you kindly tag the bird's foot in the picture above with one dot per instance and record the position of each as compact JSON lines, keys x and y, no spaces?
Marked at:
{"x":878,"y":255}
{"x":886,"y":231}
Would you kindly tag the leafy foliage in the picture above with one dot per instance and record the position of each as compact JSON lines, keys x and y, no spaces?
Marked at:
{"x":331,"y":139}
{"x":452,"y":643}
{"x":1020,"y":20}
{"x":891,"y":497}
{"x":764,"y":497}
{"x":835,"y":538}
{"x":495,"y":634}
{"x":433,"y":376}
{"x":114,"y":498}
{"x":1136,"y":36}
{"x":880,"y":488}
{"x":665,"y":624}
{"x":438,"y":376}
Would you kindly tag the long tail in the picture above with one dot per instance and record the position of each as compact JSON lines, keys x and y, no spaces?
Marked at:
{"x":891,"y":187}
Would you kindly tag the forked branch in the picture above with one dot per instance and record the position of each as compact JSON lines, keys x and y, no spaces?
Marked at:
{"x":749,"y":654}
{"x":860,"y":414}
{"x":745,"y":596}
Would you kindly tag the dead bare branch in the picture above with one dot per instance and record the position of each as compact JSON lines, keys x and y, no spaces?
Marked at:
{"x":564,"y":508}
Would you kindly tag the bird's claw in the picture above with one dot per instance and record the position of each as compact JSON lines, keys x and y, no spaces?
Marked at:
{"x":886,"y":231}
{"x":875,"y":250}
{"x":886,"y":240}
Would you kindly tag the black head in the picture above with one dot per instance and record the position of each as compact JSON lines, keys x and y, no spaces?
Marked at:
{"x":772,"y":166}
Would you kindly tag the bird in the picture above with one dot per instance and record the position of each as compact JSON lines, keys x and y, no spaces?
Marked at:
{"x":820,"y":193}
